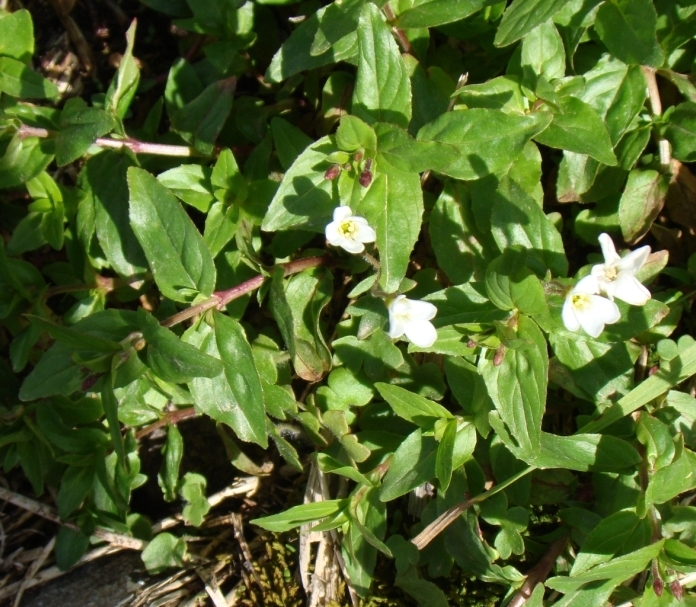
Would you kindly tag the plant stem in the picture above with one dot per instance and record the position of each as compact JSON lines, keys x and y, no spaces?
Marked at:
{"x":137,"y":147}
{"x":220,"y":299}
{"x":656,"y":105}
{"x":399,"y":33}
{"x":447,"y":518}
{"x":170,"y":417}
{"x":539,"y":572}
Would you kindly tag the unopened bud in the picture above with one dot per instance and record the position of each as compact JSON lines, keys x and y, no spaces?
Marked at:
{"x":471,"y":344}
{"x":88,"y":382}
{"x":139,"y":344}
{"x":358,"y":156}
{"x":347,"y":166}
{"x":658,"y":586}
{"x":365,"y":178}
{"x":332,"y":172}
{"x":676,"y":589}
{"x":499,"y":356}
{"x":368,"y":164}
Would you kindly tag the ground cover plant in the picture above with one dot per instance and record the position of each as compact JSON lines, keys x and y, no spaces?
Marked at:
{"x":436,"y":256}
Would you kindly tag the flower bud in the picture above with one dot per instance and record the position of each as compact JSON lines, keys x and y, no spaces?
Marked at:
{"x":365,"y":178}
{"x":676,"y":589}
{"x":332,"y":172}
{"x":88,"y":382}
{"x":471,"y":344}
{"x":347,"y":166}
{"x":499,"y":356}
{"x":658,"y":586}
{"x":358,"y":156}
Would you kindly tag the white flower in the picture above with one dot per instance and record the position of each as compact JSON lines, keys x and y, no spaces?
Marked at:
{"x":584,"y":308}
{"x":412,"y":318}
{"x":617,"y":275}
{"x":348,"y":231}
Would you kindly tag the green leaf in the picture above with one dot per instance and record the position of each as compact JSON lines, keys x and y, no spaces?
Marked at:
{"x":382,"y":88}
{"x":110,"y":405}
{"x":74,"y":338}
{"x":677,"y":370}
{"x":459,"y":248}
{"x":393,"y":206}
{"x":483,"y":141}
{"x":296,"y":305}
{"x":326,"y":463}
{"x":412,"y":465}
{"x":296,"y":53}
{"x":516,"y":219}
{"x":518,"y":385}
{"x":80,"y":126}
{"x":172,"y":452}
{"x":18,"y":80}
{"x":190,"y":183}
{"x":180,"y":262}
{"x":75,"y":484}
{"x":193,"y":491}
{"x":438,"y":12}
{"x":578,"y":128}
{"x":511,"y":285}
{"x":17,"y":35}
{"x":234,"y":397}
{"x":444,"y":461}
{"x":200,"y":121}
{"x":289,"y":141}
{"x":413,"y":407}
{"x":522,"y":16}
{"x":70,"y":545}
{"x":628,"y":29}
{"x":305,"y":198}
{"x":124,"y":85}
{"x":354,"y":134}
{"x":300,"y":515}
{"x":641,"y":202}
{"x":24,"y":159}
{"x":229,"y":185}
{"x":670,"y":481}
{"x":103,"y":178}
{"x":680,"y":131}
{"x":543,"y":54}
{"x":164,"y":551}
{"x":170,"y":358}
{"x":657,"y":439}
{"x":618,"y":569}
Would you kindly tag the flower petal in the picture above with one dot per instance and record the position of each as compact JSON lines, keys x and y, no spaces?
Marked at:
{"x":399,"y":306}
{"x":352,"y":246}
{"x":364,"y":233}
{"x":421,"y":310}
{"x":589,"y":285}
{"x":421,"y":333}
{"x":629,"y":289}
{"x":634,"y":261}
{"x":608,"y":249}
{"x":341,"y":213}
{"x":600,"y":312}
{"x":568,"y":315}
{"x":396,"y":327}
{"x":333,"y":234}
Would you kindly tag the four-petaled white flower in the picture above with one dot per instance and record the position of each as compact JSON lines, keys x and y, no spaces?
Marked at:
{"x":584,"y":308}
{"x":616,"y":277}
{"x":412,"y":317}
{"x":348,"y":231}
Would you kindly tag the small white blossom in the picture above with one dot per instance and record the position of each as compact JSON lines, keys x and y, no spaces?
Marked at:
{"x":412,"y":317}
{"x":584,"y":308}
{"x":348,"y":231}
{"x":617,"y":275}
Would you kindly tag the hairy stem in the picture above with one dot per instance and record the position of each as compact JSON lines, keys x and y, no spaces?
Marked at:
{"x":137,"y":147}
{"x":401,"y":36}
{"x":220,"y":299}
{"x":656,"y":106}
{"x":447,"y":518}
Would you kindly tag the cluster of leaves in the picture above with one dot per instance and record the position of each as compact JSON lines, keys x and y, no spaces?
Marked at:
{"x":464,"y":183}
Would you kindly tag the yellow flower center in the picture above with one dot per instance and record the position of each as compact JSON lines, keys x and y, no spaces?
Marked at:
{"x":610,"y":272}
{"x":347,"y":228}
{"x":580,"y":301}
